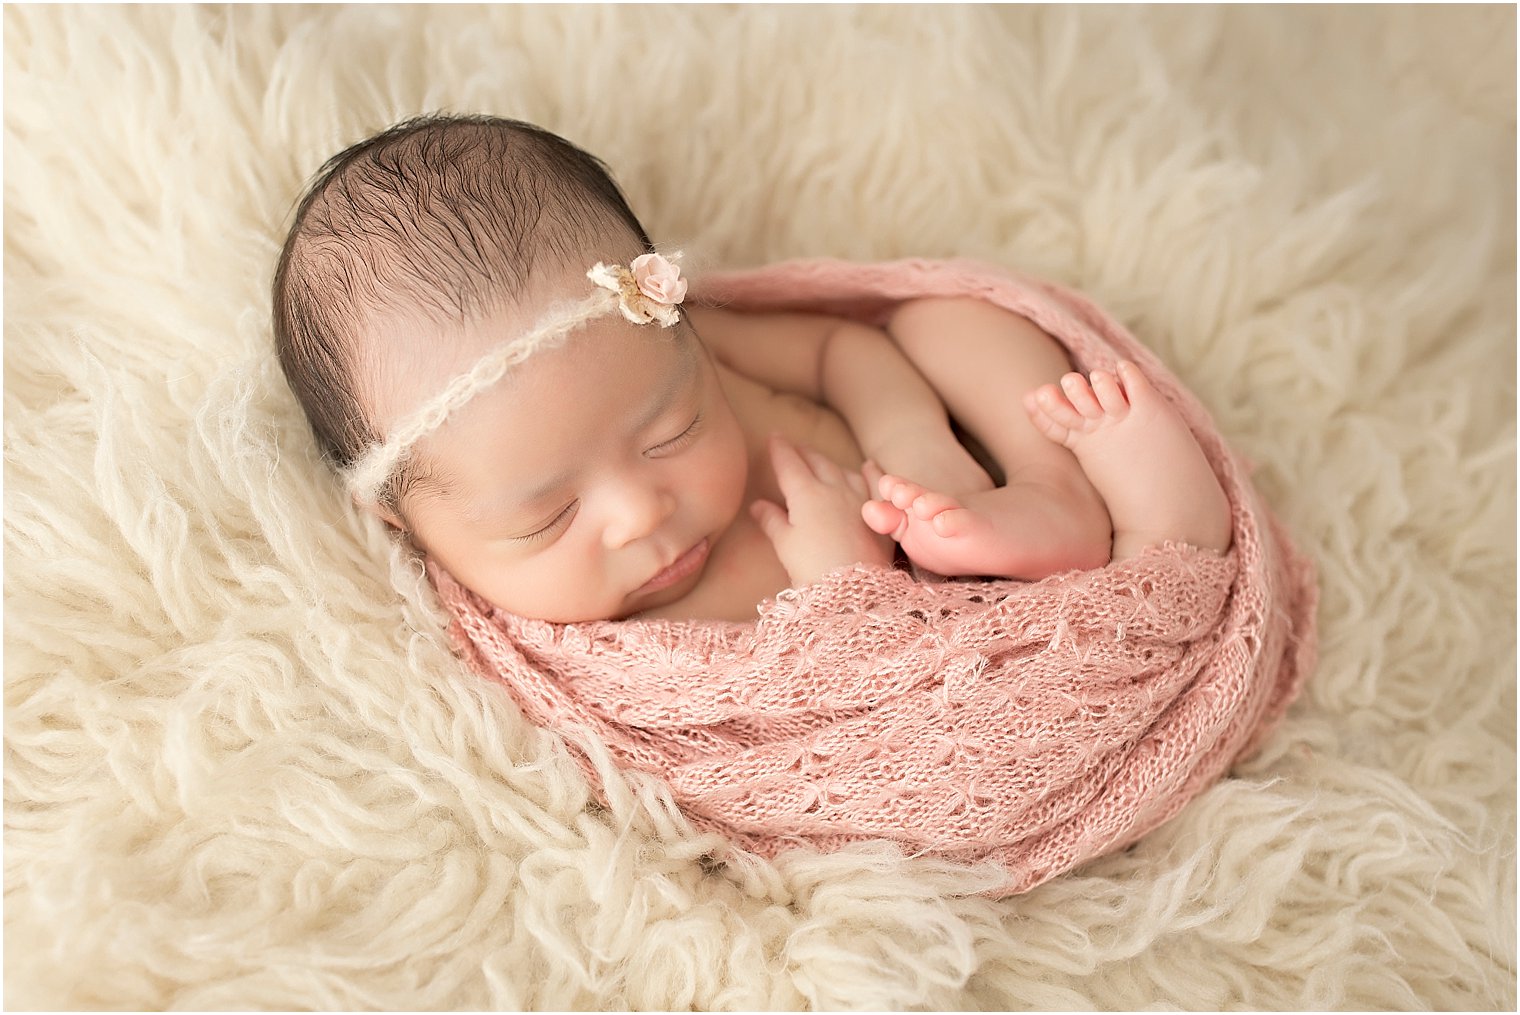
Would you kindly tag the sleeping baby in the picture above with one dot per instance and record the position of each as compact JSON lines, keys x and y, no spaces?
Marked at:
{"x":502,"y":366}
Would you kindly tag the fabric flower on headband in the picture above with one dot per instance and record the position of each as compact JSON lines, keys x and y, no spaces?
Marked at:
{"x":649,"y":289}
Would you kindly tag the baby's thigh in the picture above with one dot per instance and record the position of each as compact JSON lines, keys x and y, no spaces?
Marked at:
{"x":981,"y":359}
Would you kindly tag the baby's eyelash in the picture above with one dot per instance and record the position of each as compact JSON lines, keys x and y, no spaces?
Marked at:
{"x":548,"y":530}
{"x":682,"y":437}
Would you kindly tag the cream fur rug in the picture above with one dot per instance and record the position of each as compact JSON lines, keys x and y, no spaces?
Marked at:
{"x":242,"y":768}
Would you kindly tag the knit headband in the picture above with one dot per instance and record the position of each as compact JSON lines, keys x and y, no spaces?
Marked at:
{"x":648,"y":290}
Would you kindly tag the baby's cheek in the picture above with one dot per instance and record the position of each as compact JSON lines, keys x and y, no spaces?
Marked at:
{"x":729,"y":467}
{"x":565,"y":587}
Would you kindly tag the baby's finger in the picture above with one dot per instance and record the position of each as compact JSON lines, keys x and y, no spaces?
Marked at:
{"x":770,"y":517}
{"x":792,"y":473}
{"x":824,"y":467}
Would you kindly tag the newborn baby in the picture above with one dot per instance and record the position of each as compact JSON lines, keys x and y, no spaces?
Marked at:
{"x":656,"y":457}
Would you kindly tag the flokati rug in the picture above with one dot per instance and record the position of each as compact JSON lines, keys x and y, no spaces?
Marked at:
{"x":244,"y":767}
{"x":1031,"y":725}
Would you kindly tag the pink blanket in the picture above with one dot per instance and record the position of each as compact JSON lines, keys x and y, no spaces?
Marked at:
{"x":1036,"y":724}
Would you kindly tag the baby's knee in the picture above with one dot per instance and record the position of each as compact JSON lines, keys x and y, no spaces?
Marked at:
{"x":931,"y":313}
{"x":974,"y":323}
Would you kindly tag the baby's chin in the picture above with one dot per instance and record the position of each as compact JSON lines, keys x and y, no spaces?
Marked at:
{"x":542,"y":615}
{"x":571,"y":613}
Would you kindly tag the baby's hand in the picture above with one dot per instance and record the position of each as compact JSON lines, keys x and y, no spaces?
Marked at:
{"x":820,"y":528}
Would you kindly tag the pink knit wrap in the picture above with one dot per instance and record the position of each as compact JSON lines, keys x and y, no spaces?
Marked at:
{"x":1036,"y":724}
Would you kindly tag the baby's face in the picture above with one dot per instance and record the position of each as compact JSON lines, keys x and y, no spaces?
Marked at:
{"x":591,"y":481}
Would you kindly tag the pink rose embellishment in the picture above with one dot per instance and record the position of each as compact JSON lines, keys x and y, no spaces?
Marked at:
{"x":659,"y":279}
{"x":647,"y":291}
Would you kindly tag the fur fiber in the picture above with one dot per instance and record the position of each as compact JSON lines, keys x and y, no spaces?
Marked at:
{"x":242,"y":768}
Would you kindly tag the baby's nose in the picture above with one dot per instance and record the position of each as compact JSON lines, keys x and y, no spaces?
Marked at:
{"x":637,"y":512}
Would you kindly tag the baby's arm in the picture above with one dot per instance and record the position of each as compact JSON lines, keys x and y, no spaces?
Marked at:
{"x":897,"y":418}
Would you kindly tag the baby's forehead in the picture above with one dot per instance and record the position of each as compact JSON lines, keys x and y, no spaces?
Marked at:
{"x":405,"y":351}
{"x":557,"y":402}
{"x":414,"y":361}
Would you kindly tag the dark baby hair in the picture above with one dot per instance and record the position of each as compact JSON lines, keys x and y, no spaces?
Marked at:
{"x":443,"y":215}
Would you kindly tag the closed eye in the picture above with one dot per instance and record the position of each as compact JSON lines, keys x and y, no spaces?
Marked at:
{"x":558,"y":522}
{"x":681,"y":439}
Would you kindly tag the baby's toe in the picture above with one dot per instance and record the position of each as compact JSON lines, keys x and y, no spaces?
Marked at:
{"x":953,"y":523}
{"x":884,"y":519}
{"x":1052,"y":403}
{"x":1138,"y":389}
{"x":929,"y":504}
{"x":900,"y":492}
{"x":1110,"y":396}
{"x":1081,"y":396}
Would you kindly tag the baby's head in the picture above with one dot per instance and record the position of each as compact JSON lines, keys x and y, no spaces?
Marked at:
{"x":560,"y":491}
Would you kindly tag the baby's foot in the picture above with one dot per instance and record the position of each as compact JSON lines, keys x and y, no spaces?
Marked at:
{"x":1140,"y":455}
{"x":985,"y":532}
{"x":935,"y":531}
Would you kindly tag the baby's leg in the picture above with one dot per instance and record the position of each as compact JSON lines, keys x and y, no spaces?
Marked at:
{"x":1046,"y":517}
{"x":1140,"y":455}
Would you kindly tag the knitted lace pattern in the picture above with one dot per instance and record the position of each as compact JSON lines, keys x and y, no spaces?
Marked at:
{"x":1037,"y":725}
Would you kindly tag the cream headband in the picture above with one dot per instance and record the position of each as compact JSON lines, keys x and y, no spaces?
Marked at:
{"x":648,"y":290}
